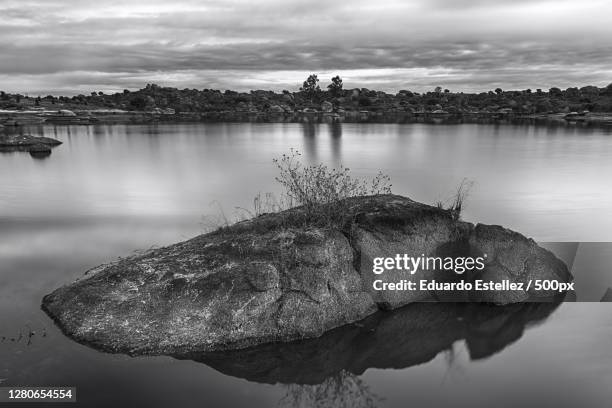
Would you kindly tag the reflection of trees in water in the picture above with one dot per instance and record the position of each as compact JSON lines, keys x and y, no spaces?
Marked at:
{"x":335,"y":131}
{"x":309,"y":130}
{"x":341,"y":390}
{"x":346,"y":389}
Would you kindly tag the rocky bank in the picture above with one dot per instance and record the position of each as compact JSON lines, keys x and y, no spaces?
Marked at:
{"x":276,"y":279}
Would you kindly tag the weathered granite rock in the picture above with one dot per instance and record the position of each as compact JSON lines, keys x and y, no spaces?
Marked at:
{"x":274,"y":279}
{"x":218,"y":291}
{"x":511,"y":256}
{"x":397,"y":228}
{"x":27,"y":140}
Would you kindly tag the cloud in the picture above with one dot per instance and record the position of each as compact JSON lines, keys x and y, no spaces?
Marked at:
{"x":66,"y":46}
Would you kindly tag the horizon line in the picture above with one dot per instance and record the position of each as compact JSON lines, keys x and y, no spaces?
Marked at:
{"x":30,"y":94}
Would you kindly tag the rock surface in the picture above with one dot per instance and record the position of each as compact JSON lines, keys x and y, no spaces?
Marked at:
{"x":27,"y":140}
{"x":274,"y":279}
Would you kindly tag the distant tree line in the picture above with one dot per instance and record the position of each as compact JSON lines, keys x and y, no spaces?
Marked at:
{"x":333,"y":96}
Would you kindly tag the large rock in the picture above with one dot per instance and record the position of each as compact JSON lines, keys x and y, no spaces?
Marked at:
{"x":277,"y":278}
{"x":396,"y":228}
{"x":512,"y":257}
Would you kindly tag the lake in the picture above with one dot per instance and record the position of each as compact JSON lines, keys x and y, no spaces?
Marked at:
{"x":111,"y":190}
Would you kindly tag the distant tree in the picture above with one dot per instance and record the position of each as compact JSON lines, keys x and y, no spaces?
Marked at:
{"x":126,"y":91}
{"x":589,"y":90}
{"x":335,"y":88}
{"x":432,"y":101}
{"x":447,"y":91}
{"x":138,"y":102}
{"x":438,"y":89}
{"x":364,"y":101}
{"x":100,"y":93}
{"x":37,"y":101}
{"x":543,"y":106}
{"x":406,"y":93}
{"x":310,"y":87}
{"x":3,"y":96}
{"x":573,"y":93}
{"x":554,"y":92}
{"x":499,"y":91}
{"x":311,"y":84}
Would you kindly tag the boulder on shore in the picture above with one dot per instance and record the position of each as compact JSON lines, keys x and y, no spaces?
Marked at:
{"x":276,"y":278}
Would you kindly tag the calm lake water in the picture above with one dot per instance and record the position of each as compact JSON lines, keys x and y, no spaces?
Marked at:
{"x":111,"y":190}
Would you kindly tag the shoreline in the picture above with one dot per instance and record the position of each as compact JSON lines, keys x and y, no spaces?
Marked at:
{"x":15,"y":119}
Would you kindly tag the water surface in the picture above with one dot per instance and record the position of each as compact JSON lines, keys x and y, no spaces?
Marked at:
{"x":111,"y":190}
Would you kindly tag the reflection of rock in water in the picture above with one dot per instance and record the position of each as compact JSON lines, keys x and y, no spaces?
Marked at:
{"x":40,"y":152}
{"x":339,"y":391}
{"x":406,"y":337}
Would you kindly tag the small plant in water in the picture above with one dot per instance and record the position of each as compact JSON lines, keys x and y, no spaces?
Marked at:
{"x":322,"y":191}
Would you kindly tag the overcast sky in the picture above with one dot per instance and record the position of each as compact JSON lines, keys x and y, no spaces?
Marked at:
{"x":76,"y":46}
